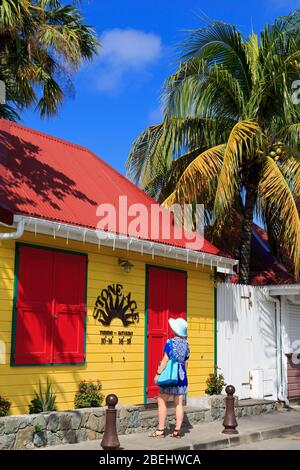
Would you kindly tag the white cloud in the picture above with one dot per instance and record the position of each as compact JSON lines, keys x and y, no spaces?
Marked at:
{"x":125,"y":51}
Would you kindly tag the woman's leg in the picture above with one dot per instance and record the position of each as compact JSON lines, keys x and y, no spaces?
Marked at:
{"x":162,"y":410}
{"x":178,"y":403}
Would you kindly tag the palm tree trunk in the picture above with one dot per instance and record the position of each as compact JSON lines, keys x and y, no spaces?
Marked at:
{"x":246,"y":236}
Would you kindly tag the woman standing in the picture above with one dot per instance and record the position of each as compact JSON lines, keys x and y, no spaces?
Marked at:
{"x":181,"y":353}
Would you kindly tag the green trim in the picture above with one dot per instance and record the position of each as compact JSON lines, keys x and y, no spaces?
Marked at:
{"x":146,"y":317}
{"x":14,"y":312}
{"x":85,"y":308}
{"x":43,"y":247}
{"x":215,"y":327}
{"x":158,"y":266}
{"x":146,"y":335}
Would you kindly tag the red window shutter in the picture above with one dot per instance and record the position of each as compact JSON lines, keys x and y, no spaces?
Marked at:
{"x":33,"y":308}
{"x":69,"y":308}
{"x":50,"y":308}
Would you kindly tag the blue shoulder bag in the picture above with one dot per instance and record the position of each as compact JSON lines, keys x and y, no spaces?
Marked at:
{"x":169,"y":376}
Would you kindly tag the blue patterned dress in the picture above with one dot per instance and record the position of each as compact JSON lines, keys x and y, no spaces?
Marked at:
{"x":181,"y":352}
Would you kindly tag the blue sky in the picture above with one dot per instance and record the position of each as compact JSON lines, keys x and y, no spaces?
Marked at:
{"x":117,"y":96}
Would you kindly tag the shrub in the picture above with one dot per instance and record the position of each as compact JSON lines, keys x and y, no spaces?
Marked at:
{"x":215,"y":383}
{"x":43,"y":401}
{"x":88,"y":395}
{"x":4,"y":406}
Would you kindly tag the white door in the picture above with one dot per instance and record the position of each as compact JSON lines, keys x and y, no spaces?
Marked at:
{"x":235,"y":323}
{"x":264,"y":373}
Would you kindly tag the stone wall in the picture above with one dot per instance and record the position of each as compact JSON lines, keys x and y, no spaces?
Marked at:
{"x":54,"y":428}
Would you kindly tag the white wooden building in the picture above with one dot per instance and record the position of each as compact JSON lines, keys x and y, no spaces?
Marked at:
{"x":258,"y":336}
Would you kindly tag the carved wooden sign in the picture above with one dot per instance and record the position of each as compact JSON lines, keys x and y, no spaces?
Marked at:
{"x":113,"y":303}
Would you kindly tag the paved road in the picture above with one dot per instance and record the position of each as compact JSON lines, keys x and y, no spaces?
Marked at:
{"x":291,"y":442}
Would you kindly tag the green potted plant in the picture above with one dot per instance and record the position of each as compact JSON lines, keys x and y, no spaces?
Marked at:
{"x":215,"y":383}
{"x":214,"y":386}
{"x":4,"y":406}
{"x":43,"y":401}
{"x":88,"y":395}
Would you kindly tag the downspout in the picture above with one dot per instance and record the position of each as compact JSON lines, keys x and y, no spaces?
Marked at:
{"x":215,"y":323}
{"x":14,"y":235}
{"x":280,"y":394}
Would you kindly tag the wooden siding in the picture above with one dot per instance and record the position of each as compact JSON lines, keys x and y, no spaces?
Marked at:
{"x":120,"y":368}
{"x":293,"y":377}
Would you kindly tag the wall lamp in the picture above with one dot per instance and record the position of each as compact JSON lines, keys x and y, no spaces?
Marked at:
{"x":126,"y":265}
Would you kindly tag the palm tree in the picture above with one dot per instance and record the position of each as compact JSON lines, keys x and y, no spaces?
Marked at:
{"x":42,"y":42}
{"x":231,"y":133}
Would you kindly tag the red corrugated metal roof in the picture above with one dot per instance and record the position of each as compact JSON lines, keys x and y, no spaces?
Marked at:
{"x":46,"y":177}
{"x":264,"y":268}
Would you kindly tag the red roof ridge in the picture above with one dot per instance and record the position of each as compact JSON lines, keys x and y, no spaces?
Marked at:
{"x":42,"y":134}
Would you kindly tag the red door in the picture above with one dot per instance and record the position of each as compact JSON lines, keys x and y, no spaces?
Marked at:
{"x":50,"y":307}
{"x":166,"y":298}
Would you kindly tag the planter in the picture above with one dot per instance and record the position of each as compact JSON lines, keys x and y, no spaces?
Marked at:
{"x":207,"y":402}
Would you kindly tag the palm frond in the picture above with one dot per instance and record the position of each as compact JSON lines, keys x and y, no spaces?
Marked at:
{"x":243,"y":140}
{"x":252,"y":56}
{"x":280,"y":207}
{"x":41,"y":43}
{"x":289,"y":165}
{"x":196,"y":182}
{"x":165,"y":180}
{"x":8,"y":112}
{"x":205,"y":92}
{"x":156,"y":149}
{"x":219,"y":43}
{"x":291,"y":135}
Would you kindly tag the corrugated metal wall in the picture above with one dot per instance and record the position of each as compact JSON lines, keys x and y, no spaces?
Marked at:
{"x":246,"y":333}
{"x":293,"y":365}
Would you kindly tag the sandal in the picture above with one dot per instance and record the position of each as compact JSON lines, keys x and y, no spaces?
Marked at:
{"x":176,"y":433}
{"x":155,"y":433}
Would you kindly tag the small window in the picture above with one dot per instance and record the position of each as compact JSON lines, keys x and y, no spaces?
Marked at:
{"x":50,"y":307}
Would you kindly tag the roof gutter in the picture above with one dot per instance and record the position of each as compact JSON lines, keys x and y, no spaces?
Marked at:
{"x":20,"y":226}
{"x":113,"y":240}
{"x":285,"y":289}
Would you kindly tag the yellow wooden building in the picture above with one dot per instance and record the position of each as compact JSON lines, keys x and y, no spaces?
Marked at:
{"x":83,"y":302}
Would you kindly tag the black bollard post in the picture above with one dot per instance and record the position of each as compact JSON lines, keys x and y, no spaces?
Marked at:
{"x":230,"y":422}
{"x":110,"y":439}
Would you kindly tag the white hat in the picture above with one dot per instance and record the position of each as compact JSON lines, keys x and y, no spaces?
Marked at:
{"x":179,"y":326}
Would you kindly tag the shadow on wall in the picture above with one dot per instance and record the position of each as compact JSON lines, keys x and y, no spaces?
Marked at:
{"x":246,"y":322}
{"x":267,"y":323}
